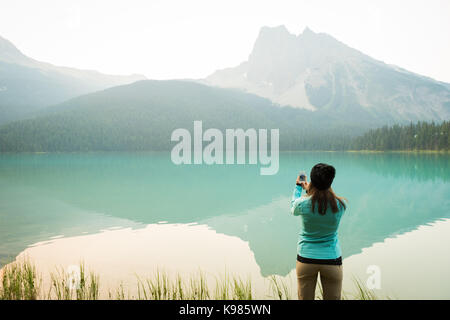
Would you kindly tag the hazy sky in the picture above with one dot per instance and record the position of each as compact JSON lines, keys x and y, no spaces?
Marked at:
{"x":192,"y":38}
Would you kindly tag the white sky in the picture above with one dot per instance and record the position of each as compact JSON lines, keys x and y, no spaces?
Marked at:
{"x":192,"y":38}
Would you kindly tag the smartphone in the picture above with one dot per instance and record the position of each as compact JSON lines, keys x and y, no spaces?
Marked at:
{"x":302,"y":175}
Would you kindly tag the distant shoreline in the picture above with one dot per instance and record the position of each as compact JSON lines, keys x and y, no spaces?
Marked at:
{"x":399,"y":151}
{"x":373,"y":151}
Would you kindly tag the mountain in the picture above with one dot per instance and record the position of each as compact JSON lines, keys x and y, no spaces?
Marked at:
{"x":27,"y":85}
{"x":317,"y":91}
{"x":314,"y":71}
{"x":143,"y":115}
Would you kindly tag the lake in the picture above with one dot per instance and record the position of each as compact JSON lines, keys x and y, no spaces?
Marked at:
{"x":128,"y":213}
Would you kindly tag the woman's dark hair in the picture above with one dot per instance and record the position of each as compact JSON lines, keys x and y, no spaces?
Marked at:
{"x":320,"y":190}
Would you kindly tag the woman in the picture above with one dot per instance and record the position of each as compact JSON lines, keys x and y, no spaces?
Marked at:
{"x":318,"y":250}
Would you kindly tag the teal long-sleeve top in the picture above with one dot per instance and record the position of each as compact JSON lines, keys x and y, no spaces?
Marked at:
{"x":318,"y":236}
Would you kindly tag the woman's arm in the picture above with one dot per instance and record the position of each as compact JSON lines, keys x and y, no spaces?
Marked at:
{"x":296,"y":197}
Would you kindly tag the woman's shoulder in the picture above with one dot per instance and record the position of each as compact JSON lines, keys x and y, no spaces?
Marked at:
{"x":303,"y":200}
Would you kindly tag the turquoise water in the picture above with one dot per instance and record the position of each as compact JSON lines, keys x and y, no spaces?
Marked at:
{"x":48,"y":195}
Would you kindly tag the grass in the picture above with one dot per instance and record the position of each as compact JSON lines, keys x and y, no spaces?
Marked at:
{"x":279,"y":288}
{"x":362,"y":293}
{"x":20,"y":281}
{"x":196,"y":287}
{"x":74,"y":286}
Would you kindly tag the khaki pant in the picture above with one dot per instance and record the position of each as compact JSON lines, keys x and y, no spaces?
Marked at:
{"x":330,"y":277}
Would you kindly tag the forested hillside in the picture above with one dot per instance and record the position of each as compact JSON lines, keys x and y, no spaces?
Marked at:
{"x":419,"y":136}
{"x":142,"y":116}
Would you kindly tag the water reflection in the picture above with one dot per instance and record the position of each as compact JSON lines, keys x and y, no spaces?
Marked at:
{"x":412,"y":265}
{"x":69,"y":194}
{"x":126,"y":255}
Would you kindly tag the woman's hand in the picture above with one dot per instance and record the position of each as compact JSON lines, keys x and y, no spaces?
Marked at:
{"x":304,"y":184}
